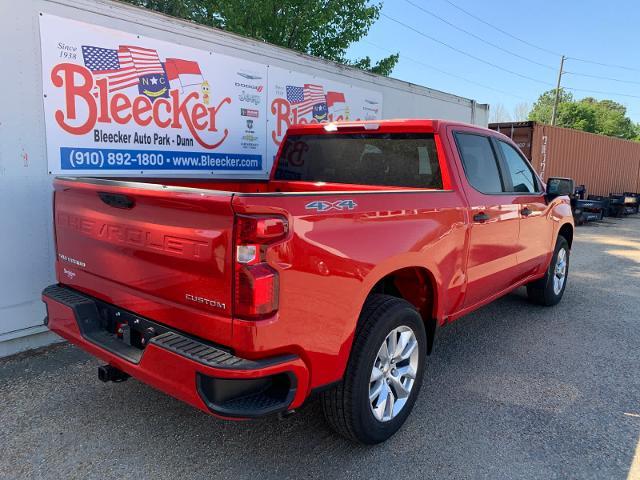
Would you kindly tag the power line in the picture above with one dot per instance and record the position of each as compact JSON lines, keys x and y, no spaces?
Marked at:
{"x":614,"y":94}
{"x":462,"y":52}
{"x":599,"y":77}
{"x":537,"y":47}
{"x":542,"y":49}
{"x":424,"y":10}
{"x":610,"y":65}
{"x":431,"y":67}
{"x":477,"y":37}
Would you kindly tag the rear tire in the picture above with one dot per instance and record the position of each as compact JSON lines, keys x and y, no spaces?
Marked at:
{"x":549,"y":289}
{"x":377,"y":393}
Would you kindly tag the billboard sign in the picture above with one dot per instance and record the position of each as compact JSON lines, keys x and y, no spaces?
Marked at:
{"x":296,"y":97}
{"x":117,"y":103}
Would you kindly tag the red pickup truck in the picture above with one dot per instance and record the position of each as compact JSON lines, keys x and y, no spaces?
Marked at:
{"x":245,"y":298}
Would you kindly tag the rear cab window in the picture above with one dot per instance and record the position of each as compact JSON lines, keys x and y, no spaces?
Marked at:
{"x":382,"y":159}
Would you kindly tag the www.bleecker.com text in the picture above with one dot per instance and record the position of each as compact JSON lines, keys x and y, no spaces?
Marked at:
{"x":99,"y":136}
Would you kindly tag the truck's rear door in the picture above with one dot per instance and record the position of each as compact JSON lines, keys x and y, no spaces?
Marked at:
{"x":161,"y":252}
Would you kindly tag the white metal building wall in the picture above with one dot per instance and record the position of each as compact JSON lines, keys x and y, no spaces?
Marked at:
{"x":26,"y":263}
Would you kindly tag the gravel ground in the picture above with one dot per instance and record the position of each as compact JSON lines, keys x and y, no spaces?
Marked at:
{"x":511,"y":391}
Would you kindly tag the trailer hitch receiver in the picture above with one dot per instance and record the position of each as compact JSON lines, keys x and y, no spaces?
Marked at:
{"x":107,"y":373}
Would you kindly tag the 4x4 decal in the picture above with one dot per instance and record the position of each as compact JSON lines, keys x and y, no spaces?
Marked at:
{"x":322,"y":206}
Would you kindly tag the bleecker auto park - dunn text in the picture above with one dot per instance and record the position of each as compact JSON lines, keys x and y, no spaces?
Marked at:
{"x":140,"y":138}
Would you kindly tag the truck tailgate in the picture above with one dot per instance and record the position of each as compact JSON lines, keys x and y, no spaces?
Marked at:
{"x":160,"y":252}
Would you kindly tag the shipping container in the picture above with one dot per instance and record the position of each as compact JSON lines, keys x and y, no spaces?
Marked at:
{"x":48,"y":44}
{"x":603,"y":164}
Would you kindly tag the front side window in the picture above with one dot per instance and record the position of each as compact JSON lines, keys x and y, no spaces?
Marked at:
{"x":522,"y":178}
{"x":479,"y":162}
{"x":398,"y":160}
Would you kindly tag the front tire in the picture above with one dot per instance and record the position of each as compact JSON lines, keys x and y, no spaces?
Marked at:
{"x":549,"y":289}
{"x":384,"y":373}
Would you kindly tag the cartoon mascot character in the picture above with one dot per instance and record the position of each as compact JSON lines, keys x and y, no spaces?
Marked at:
{"x":204,"y":87}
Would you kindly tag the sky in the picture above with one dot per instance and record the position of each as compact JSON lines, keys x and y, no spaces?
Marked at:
{"x":602,"y":32}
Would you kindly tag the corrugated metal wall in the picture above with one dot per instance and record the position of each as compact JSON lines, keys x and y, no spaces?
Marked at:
{"x":603,"y":164}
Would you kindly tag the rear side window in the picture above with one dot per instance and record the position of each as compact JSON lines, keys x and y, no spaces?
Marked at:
{"x":394,"y":160}
{"x":522,"y":178}
{"x":479,"y":162}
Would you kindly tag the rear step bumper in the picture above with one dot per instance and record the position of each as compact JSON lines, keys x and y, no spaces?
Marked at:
{"x":208,"y":377}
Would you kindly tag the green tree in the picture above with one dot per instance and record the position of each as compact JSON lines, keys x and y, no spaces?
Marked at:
{"x":577,"y":115}
{"x":604,"y":117}
{"x":323,"y":28}
{"x":543,"y":107}
{"x":382,"y":67}
{"x":611,"y":118}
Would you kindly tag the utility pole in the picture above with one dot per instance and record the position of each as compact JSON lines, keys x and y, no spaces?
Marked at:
{"x":555,"y":103}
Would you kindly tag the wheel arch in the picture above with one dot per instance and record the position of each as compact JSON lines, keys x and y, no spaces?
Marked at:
{"x":566,"y":231}
{"x":416,"y":285}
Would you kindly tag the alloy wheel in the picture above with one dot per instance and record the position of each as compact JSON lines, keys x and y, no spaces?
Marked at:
{"x":393,"y":373}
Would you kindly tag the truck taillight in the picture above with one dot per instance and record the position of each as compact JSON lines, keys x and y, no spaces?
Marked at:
{"x":260,"y":229}
{"x":256,"y":283}
{"x":256,"y":293}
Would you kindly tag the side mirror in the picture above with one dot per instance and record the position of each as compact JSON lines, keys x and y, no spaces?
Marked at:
{"x":557,"y":187}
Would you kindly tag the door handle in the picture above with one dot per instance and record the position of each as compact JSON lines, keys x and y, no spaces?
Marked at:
{"x":481,"y":217}
{"x":117,"y":200}
{"x":526,"y":212}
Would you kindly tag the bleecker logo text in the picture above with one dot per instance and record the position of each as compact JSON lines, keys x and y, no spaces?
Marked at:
{"x":97,"y":107}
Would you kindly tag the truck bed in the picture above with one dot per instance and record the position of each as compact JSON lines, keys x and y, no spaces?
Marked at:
{"x":250,"y":186}
{"x":157,"y":246}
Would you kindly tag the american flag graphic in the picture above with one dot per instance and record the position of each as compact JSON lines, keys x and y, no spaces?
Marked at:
{"x":122,"y":67}
{"x":304,"y":98}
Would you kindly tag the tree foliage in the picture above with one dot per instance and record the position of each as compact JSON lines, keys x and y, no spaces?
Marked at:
{"x":323,"y":28}
{"x":604,"y":117}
